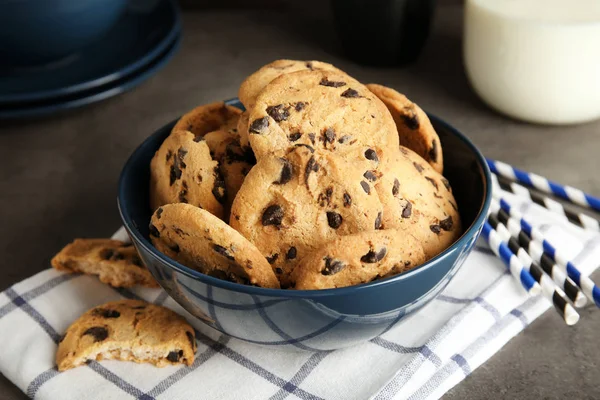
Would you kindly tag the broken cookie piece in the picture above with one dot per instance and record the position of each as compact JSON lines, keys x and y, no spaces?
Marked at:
{"x":114,"y":262}
{"x":127,"y":330}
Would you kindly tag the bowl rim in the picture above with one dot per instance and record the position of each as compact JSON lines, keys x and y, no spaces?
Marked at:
{"x":467,"y":235}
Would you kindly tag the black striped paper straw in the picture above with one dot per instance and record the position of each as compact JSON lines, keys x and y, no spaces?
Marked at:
{"x":536,"y":252}
{"x":585,"y":221}
{"x":549,"y":289}
{"x":587,"y":286}
{"x":545,"y":185}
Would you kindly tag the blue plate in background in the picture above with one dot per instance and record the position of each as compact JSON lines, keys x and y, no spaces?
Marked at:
{"x":41,"y":108}
{"x":146,"y":30}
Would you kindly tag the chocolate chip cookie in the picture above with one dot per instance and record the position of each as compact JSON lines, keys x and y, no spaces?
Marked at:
{"x":201,"y":241}
{"x":413,"y":194}
{"x":328,"y":111}
{"x":414,"y":128}
{"x":289,"y":206}
{"x":128,"y":330}
{"x":234,"y":160}
{"x":361,"y":258}
{"x":183,"y":171}
{"x":114,"y":262}
{"x":256,"y":82}
{"x":207,"y":118}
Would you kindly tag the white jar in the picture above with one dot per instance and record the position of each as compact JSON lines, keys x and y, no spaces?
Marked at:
{"x":535,"y":60}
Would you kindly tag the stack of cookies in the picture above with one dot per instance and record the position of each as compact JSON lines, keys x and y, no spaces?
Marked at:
{"x":322,"y":182}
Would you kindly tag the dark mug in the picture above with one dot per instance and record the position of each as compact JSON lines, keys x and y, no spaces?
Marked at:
{"x":383,"y":32}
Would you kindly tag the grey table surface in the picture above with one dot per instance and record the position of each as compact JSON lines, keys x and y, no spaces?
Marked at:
{"x":59,"y":174}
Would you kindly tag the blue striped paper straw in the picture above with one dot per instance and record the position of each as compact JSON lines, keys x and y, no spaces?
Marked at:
{"x":588,"y":287}
{"x":510,"y":260}
{"x":566,"y":192}
{"x":582,"y":220}
{"x":550,"y":289}
{"x":536,"y":252}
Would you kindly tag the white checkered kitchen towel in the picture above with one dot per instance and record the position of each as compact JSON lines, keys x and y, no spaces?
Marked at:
{"x":422,"y":358}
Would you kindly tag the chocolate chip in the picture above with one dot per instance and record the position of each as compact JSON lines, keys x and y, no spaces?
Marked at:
{"x":291,"y":253}
{"x":183,"y":192}
{"x":135,"y":260}
{"x":299,"y":106}
{"x":370,"y":175}
{"x":446,"y":184}
{"x":396,"y":187}
{"x":223,"y":251}
{"x":294,"y":136}
{"x":278,"y":271}
{"x":435,"y":228}
{"x":174,"y":356}
{"x":407,"y":263}
{"x":272,"y":258}
{"x":219,"y":190}
{"x":437,"y":196}
{"x":312,"y":150}
{"x":279,"y":112}
{"x":259,"y":126}
{"x":309,"y":65}
{"x":153,"y":231}
{"x":273,"y":215}
{"x":179,"y":231}
{"x":249,"y":264}
{"x":344,"y":139}
{"x":418,"y":166}
{"x":311,"y":136}
{"x":198,"y":138}
{"x":106,"y":254}
{"x":373,"y":257}
{"x":350,"y":93}
{"x":178,"y":166}
{"x":99,"y":333}
{"x":287,"y":172}
{"x":378,"y":220}
{"x":332,"y":266}
{"x":329,"y":135}
{"x":365,"y":187}
{"x":327,"y":82}
{"x":174,"y":247}
{"x":433,"y":182}
{"x":159,"y":212}
{"x":169,"y":155}
{"x":407,"y":210}
{"x":446,"y":224}
{"x":334,"y":219}
{"x":138,"y":307}
{"x":347,"y":200}
{"x":453,"y":205}
{"x":106,"y":313}
{"x":411,"y":120}
{"x":371,"y":154}
{"x":191,"y":338}
{"x":325,"y":197}
{"x":311,"y":166}
{"x":433,"y":152}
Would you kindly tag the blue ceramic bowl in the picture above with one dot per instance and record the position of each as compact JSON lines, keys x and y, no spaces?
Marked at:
{"x":310,"y":320}
{"x":36,"y":32}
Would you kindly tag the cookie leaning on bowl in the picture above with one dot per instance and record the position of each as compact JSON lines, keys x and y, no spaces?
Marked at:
{"x":360,"y":258}
{"x":127,"y":330}
{"x":414,"y":128}
{"x":201,"y":241}
{"x":417,"y":198}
